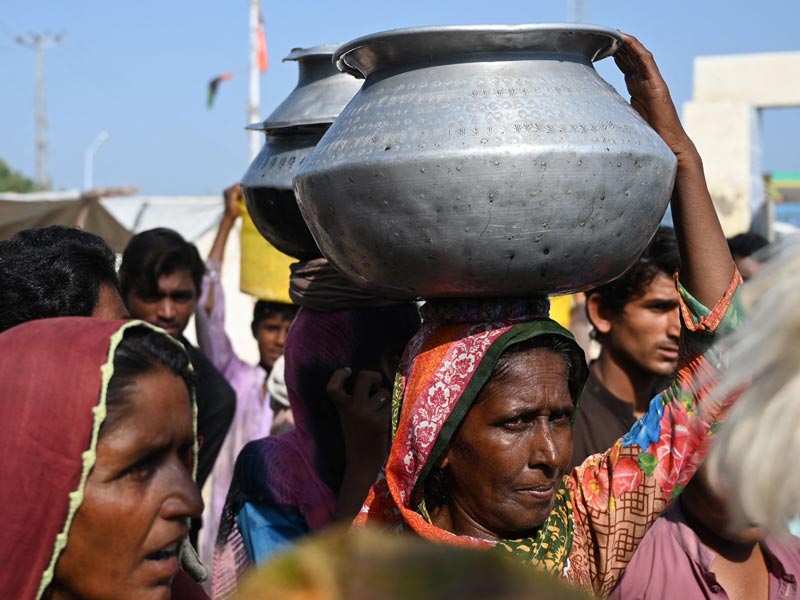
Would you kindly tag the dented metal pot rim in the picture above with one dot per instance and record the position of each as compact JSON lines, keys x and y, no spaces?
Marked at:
{"x":321,"y":50}
{"x":304,"y":129}
{"x":365,"y":55}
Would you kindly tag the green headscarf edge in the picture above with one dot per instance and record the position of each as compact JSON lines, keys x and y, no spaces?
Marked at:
{"x":89,"y":456}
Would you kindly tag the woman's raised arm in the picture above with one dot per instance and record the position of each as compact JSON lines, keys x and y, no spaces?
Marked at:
{"x":706,"y":264}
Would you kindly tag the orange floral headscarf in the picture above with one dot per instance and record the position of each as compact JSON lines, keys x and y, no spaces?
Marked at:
{"x":444,"y":368}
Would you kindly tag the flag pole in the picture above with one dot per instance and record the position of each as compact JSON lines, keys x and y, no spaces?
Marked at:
{"x":254,"y":97}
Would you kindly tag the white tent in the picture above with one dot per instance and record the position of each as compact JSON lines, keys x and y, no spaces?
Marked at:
{"x":117,"y":218}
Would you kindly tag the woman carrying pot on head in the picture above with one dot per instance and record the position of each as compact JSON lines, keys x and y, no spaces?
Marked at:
{"x":488,"y":391}
{"x":97,"y":463}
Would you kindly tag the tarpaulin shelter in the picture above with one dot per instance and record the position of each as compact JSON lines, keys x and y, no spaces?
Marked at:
{"x":72,"y":208}
{"x":113,"y":214}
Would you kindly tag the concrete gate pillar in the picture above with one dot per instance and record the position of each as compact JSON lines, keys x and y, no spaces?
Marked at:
{"x":728,"y":136}
{"x":724,"y":121}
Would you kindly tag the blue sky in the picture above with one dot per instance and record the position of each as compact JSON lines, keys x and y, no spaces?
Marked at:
{"x":140,"y":69}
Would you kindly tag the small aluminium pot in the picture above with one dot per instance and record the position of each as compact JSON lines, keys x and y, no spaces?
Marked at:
{"x":484,"y":161}
{"x":292,"y":130}
{"x":321,"y":92}
{"x":269,"y":196}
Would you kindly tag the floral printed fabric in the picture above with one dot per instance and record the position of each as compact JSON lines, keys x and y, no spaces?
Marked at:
{"x":549,"y":550}
{"x":611,"y":499}
{"x":618,"y":495}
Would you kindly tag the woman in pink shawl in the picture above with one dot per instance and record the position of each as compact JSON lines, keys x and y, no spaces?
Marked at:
{"x":98,"y":452}
{"x":287,"y":486}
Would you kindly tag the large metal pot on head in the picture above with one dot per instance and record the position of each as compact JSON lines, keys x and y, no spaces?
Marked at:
{"x":484,"y":161}
{"x":292,"y":130}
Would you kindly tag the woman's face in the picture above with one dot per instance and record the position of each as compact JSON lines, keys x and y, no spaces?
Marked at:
{"x":139,"y":497}
{"x":506,"y":461}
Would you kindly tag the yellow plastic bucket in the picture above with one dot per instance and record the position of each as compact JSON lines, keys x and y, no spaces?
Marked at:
{"x":264,"y":270}
{"x":561,"y":309}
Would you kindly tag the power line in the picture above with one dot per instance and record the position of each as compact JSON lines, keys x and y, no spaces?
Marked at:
{"x":39,"y":43}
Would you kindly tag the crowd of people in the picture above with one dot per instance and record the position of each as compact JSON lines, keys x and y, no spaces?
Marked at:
{"x":437,"y":449}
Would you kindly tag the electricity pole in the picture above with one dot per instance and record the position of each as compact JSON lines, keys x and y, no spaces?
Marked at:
{"x":88,"y":160}
{"x":39,"y":43}
{"x":254,"y":98}
{"x":577,"y":11}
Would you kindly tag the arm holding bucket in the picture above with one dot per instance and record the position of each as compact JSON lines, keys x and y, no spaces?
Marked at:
{"x":217,"y":253}
{"x":210,"y":318}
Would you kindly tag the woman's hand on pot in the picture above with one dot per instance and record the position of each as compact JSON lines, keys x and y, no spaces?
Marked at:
{"x":216,"y":255}
{"x":706,"y":264}
{"x":650,"y":95}
{"x":364,"y":415}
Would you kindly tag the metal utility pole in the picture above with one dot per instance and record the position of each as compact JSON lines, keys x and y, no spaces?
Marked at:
{"x":578,"y":11}
{"x":254,"y":98}
{"x":39,"y":43}
{"x":88,"y":160}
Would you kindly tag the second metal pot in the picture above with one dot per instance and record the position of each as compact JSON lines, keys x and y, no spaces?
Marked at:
{"x":292,"y":130}
{"x":321,"y":92}
{"x":268,"y":192}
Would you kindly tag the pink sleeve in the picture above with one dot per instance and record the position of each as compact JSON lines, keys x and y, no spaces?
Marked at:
{"x":211,"y":336}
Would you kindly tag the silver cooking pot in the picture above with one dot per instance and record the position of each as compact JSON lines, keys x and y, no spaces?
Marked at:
{"x":484,"y":161}
{"x":321,"y":92}
{"x":292,"y":130}
{"x":268,"y":193}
